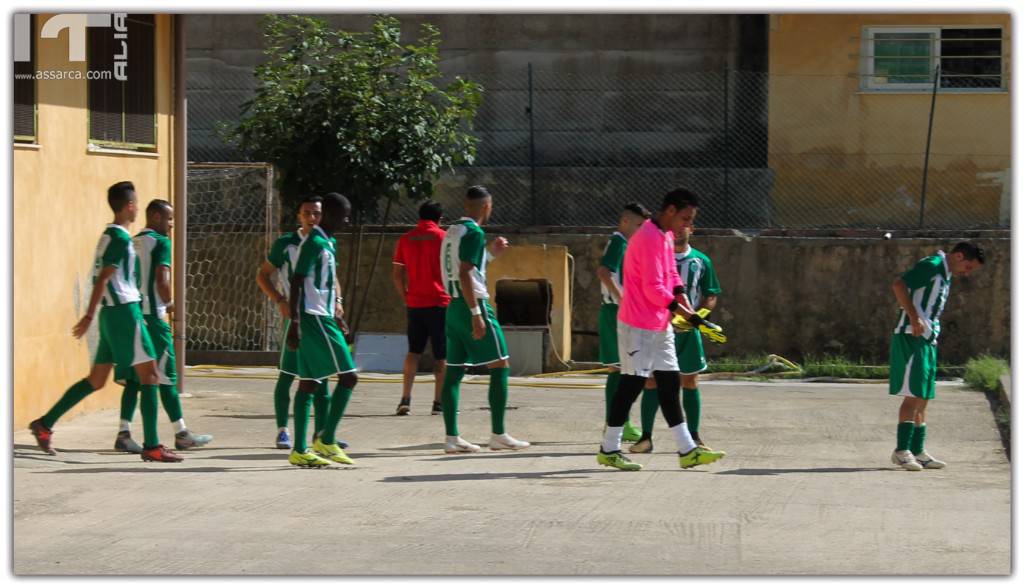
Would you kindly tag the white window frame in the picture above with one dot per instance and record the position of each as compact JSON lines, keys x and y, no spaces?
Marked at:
{"x":867,"y":68}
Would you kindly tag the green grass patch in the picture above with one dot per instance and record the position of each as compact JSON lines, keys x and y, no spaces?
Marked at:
{"x":837,"y":366}
{"x":982,"y":373}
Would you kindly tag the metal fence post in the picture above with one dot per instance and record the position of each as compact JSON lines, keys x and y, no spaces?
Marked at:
{"x":726,"y":208}
{"x":928,"y":148}
{"x":533,"y":174}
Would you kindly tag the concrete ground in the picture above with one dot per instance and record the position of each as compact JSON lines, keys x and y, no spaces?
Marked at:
{"x":807,"y":488}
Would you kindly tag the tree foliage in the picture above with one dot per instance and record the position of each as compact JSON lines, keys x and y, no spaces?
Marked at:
{"x":359,"y":113}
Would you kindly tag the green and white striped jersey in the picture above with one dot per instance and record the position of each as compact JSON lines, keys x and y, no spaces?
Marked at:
{"x":316,"y":262}
{"x":614,"y":254}
{"x":928,"y":282}
{"x":698,"y":275}
{"x":284,"y":254}
{"x":464,"y":241}
{"x":115,"y":250}
{"x":154,"y":250}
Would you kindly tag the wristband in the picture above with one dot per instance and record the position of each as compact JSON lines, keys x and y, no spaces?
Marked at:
{"x":475,"y":311}
{"x":696,"y":320}
{"x":673,"y":305}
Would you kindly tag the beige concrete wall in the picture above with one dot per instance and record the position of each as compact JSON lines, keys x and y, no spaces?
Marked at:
{"x":835,"y":147}
{"x":786,"y":295}
{"x":60,"y":210}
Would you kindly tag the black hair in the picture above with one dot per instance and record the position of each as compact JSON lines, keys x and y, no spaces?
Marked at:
{"x":312,"y":198}
{"x":680,"y":198}
{"x":335,"y":203}
{"x":119,"y":195}
{"x":637,"y":209}
{"x":156,"y":205}
{"x":431,"y":210}
{"x":477,"y":192}
{"x":970,"y":251}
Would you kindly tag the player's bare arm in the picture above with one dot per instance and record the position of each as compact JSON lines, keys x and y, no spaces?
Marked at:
{"x":400,"y":279}
{"x":709,"y":302}
{"x":899,"y":288}
{"x":163,"y":285}
{"x":94,"y":299}
{"x":466,"y":283}
{"x":339,"y":305}
{"x":498,"y":245}
{"x":266,"y":285}
{"x":294,"y":294}
{"x":605,"y":276}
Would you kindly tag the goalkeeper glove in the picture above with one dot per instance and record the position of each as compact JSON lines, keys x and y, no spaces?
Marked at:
{"x":681,"y":324}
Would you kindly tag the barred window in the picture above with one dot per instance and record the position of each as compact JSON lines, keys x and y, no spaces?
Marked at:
{"x":25,"y":92}
{"x":905,"y":58}
{"x":123,"y":113}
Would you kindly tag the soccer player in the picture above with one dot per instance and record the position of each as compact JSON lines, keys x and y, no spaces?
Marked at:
{"x":417,"y":278}
{"x":702,"y":290}
{"x":609,"y":273}
{"x":317,"y":333}
{"x":153,"y":248}
{"x":922,"y":292}
{"x":651,"y":293}
{"x":124,"y":340}
{"x":471,"y":327}
{"x":284,"y":253}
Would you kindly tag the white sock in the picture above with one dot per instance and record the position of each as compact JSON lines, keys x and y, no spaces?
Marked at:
{"x":683,"y":439}
{"x":179,"y":426}
{"x":126,"y":426}
{"x":451,"y":439}
{"x":612,"y":440}
{"x":285,"y":429}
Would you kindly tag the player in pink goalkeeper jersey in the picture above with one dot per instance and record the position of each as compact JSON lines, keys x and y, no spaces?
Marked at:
{"x":652,"y":293}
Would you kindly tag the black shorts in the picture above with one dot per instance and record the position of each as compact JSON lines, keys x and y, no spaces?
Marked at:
{"x":427,"y":323}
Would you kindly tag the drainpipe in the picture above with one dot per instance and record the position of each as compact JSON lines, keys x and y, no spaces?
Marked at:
{"x":180,"y":194}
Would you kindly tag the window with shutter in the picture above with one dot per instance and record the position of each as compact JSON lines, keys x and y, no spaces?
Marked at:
{"x":25,"y":93}
{"x":122,"y":114}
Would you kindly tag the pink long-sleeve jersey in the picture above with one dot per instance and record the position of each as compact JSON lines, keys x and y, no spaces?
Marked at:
{"x":649,"y":277}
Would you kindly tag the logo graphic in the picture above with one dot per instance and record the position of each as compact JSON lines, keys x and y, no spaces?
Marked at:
{"x":76,"y":25}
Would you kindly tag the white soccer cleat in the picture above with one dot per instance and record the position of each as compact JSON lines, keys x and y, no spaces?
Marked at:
{"x":928,"y":462}
{"x":906,"y":460}
{"x":506,"y":441}
{"x":459,"y":445}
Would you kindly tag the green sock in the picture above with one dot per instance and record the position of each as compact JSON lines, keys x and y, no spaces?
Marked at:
{"x":149,"y":406}
{"x":171,"y":401}
{"x":72,"y":396}
{"x":649,"y":404}
{"x":904,"y":431}
{"x":497,"y":398}
{"x":284,"y":385}
{"x":691,"y":407}
{"x":321,"y":404}
{"x":609,"y":392}
{"x":303,"y":404}
{"x":917,"y":439}
{"x":129,"y":400}
{"x":450,"y":399}
{"x":339,"y":400}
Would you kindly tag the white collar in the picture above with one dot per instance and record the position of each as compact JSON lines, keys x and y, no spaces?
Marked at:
{"x":117,"y":226}
{"x":945,"y":264}
{"x":682,"y":254}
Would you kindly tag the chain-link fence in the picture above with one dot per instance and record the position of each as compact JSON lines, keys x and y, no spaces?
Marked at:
{"x":232,"y":221}
{"x":763,"y":151}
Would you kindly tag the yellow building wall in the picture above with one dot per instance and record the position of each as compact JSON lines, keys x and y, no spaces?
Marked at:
{"x":834,"y":147}
{"x":60,"y":210}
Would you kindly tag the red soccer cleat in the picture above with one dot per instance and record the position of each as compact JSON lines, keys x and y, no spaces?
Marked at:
{"x":43,"y":436}
{"x":160,"y":453}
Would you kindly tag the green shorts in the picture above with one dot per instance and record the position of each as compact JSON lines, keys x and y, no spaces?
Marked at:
{"x":289,"y":362}
{"x":124,"y":339}
{"x":690,"y":352}
{"x":163,"y":344}
{"x":463,"y":349}
{"x":912,"y":362}
{"x":607,"y":331}
{"x":322,"y":350}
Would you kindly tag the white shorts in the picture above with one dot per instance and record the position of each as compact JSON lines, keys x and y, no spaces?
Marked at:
{"x":643,"y":352}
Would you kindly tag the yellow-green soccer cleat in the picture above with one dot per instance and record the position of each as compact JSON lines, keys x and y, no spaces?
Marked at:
{"x":617,"y":460}
{"x":332,"y":452}
{"x":307,"y":460}
{"x":698,"y":456}
{"x":630,"y":433}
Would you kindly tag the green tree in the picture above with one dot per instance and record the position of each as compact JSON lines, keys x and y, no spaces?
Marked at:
{"x":358,"y":113}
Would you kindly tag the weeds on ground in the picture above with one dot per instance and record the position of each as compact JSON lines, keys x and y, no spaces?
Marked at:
{"x":982,"y":373}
